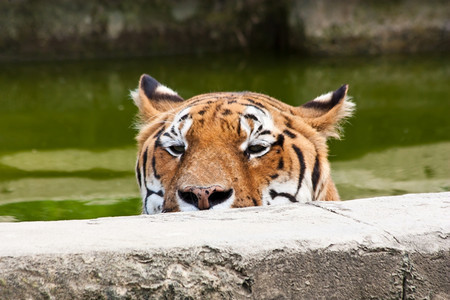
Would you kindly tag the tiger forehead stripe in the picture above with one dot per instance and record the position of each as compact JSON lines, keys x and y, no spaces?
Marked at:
{"x":181,"y":120}
{"x":257,"y":108}
{"x":182,"y":115}
{"x":268,"y":101}
{"x":226,"y":112}
{"x":251,"y":116}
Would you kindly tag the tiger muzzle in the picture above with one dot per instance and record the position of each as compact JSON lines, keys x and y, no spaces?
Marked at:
{"x":204,"y":197}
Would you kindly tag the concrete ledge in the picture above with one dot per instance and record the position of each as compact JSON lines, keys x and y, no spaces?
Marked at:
{"x":388,"y":247}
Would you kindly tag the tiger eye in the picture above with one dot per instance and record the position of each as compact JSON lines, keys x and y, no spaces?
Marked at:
{"x":253,"y":149}
{"x":177,"y":149}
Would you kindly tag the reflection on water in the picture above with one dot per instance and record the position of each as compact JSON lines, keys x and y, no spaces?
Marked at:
{"x":400,"y":170}
{"x":66,"y":137}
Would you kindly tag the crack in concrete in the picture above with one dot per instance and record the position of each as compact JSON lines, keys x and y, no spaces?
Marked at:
{"x":407,"y":270}
{"x":356,"y":220}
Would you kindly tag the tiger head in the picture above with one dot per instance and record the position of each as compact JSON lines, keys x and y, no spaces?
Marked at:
{"x":238,"y":149}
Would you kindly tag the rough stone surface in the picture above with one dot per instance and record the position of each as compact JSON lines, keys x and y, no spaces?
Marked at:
{"x":378,"y":248}
{"x":76,"y":28}
{"x":370,"y":27}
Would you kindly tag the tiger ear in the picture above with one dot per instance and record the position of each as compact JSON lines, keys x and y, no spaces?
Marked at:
{"x":152,"y":98}
{"x":327,"y":112}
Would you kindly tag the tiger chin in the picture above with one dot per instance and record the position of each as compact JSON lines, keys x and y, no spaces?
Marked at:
{"x":233,"y":149}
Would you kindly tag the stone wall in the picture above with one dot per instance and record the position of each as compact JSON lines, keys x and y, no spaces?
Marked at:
{"x":378,"y":248}
{"x":49,"y":29}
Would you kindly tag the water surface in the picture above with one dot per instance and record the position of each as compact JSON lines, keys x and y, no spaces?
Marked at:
{"x":67,"y":147}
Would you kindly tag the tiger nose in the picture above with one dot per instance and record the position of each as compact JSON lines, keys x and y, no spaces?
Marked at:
{"x":204,"y":197}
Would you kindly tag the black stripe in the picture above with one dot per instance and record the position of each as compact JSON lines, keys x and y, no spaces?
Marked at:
{"x":265,"y":132}
{"x":149,"y":85}
{"x":155,"y":173}
{"x":289,"y":134}
{"x":184,"y":117}
{"x":149,"y":193}
{"x":167,"y":134}
{"x":256,"y":107}
{"x":251,"y":116}
{"x":144,"y":164}
{"x":157,"y":141}
{"x":200,"y":99}
{"x":302,"y":166}
{"x":280,"y":164}
{"x":336,"y":97}
{"x":239,"y":128}
{"x":145,"y":206}
{"x":288,"y":123}
{"x":218,"y":106}
{"x":255,"y":103}
{"x":138,"y":174}
{"x":169,"y":97}
{"x":255,"y":203}
{"x":316,"y":174}
{"x":274,"y":176}
{"x":279,"y":141}
{"x":158,"y":134}
{"x":202,"y":112}
{"x":274,"y":194}
{"x":172,"y":130}
{"x":268,"y":101}
{"x":226,"y":112}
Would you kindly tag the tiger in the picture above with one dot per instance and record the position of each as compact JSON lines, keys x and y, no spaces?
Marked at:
{"x":226,"y":150}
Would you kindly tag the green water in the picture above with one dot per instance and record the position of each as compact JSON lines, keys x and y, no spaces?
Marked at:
{"x":67,"y":142}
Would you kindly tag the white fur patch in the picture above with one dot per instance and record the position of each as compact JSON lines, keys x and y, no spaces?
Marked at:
{"x":289,"y":187}
{"x":254,"y":136}
{"x":324,"y":98}
{"x":180,"y":133}
{"x":184,"y":129}
{"x":154,"y":202}
{"x":162,"y":89}
{"x":134,"y":94}
{"x":305,"y":194}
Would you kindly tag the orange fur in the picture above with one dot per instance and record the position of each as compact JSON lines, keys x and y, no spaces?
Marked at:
{"x":219,"y":145}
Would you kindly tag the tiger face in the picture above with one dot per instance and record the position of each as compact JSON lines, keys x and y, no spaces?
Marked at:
{"x":226,"y":150}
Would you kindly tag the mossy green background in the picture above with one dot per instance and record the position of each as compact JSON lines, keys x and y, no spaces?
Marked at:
{"x":67,"y":147}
